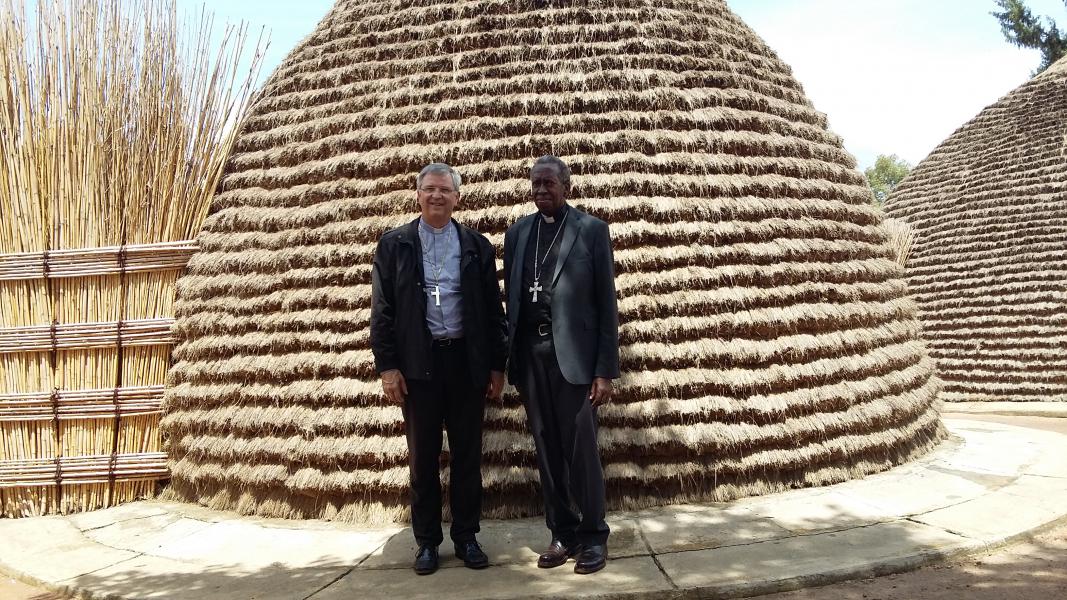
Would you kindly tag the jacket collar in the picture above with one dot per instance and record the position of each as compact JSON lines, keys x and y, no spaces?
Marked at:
{"x":575,"y":218}
{"x":566,"y":242}
{"x":467,"y":243}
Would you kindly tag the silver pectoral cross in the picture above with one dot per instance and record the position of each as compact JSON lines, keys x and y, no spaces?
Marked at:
{"x":436,"y":293}
{"x":536,"y":287}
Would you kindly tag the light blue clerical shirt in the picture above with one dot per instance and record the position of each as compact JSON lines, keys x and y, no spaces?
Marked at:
{"x":440,"y":267}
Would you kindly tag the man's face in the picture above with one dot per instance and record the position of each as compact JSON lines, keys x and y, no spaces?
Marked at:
{"x":545,"y":188}
{"x":437,"y":198}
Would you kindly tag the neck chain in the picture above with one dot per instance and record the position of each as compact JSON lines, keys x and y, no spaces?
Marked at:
{"x":435,"y":266}
{"x":539,"y":265}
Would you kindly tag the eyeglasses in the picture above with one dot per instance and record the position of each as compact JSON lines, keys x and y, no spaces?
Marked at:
{"x":434,"y":190}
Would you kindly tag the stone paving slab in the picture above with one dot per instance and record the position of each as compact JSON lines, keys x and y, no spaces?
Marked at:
{"x":829,"y":511}
{"x":146,"y":535}
{"x":1018,"y":409}
{"x":142,"y":578}
{"x":115,"y":516}
{"x":793,"y":562}
{"x":989,"y":484}
{"x":684,"y":528}
{"x":898,"y":495}
{"x":622,"y":577}
{"x":51,"y":550}
{"x":993,"y":518}
{"x":230,"y":542}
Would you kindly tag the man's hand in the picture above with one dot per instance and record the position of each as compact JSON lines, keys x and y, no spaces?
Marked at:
{"x":601,"y":391}
{"x":496,"y":384}
{"x":394,"y":386}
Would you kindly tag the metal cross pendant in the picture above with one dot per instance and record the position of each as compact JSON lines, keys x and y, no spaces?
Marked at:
{"x":436,"y":293}
{"x":536,"y":287}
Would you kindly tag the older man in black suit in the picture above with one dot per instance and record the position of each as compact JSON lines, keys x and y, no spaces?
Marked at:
{"x":563,"y":322}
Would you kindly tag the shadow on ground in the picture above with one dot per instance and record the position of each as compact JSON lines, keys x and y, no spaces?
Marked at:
{"x":654,"y":553}
{"x":802,"y":538}
{"x":1032,"y":570}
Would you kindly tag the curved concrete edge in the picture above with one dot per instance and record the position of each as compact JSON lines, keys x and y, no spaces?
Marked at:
{"x":989,"y":485}
{"x":1009,"y":409}
{"x":891,"y":566}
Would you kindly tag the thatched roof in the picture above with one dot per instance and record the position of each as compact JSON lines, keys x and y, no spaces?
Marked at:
{"x":767,"y":341}
{"x":988,"y":267}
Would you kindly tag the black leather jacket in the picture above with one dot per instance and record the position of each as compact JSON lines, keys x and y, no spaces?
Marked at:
{"x":399,"y":337}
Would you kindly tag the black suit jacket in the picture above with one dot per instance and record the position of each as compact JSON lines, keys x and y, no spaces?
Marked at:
{"x":399,"y":336}
{"x":585,"y":314}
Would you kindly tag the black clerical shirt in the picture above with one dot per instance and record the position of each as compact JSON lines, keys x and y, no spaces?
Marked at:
{"x":532,"y":314}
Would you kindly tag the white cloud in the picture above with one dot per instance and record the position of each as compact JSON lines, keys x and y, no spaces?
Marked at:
{"x":893,"y":77}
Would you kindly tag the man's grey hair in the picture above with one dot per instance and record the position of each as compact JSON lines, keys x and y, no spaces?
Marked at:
{"x":439,"y":169}
{"x":561,"y":167}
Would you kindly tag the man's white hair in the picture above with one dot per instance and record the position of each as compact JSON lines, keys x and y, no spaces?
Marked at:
{"x":439,"y":169}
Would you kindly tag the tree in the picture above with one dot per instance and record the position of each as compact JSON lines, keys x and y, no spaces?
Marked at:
{"x":1022,"y":28}
{"x":885,"y":175}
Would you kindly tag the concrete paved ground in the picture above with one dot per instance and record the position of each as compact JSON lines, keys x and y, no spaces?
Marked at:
{"x":1013,"y":409}
{"x":1034,"y":568}
{"x":990,"y":484}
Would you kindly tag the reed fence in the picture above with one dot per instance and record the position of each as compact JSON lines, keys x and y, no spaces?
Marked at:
{"x":115,"y":120}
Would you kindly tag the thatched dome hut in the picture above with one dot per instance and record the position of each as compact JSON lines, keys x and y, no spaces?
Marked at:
{"x":767,"y":338}
{"x":988,"y":266}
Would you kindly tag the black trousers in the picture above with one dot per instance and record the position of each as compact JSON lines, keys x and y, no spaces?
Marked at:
{"x":448,"y":399}
{"x":563,"y":424}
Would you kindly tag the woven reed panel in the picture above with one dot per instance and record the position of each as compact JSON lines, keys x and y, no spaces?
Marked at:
{"x":988,"y":267}
{"x":767,"y":341}
{"x":85,"y":340}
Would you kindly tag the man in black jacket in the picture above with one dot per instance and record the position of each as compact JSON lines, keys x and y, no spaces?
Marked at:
{"x":563,"y":321}
{"x":439,"y":339}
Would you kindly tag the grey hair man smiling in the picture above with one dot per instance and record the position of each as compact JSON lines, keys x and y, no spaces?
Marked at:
{"x":439,"y":341}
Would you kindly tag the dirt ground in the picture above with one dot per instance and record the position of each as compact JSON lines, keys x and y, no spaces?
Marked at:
{"x":16,"y":590}
{"x":1030,"y":570}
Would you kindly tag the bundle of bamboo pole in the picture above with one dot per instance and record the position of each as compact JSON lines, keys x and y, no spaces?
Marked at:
{"x":116,"y":119}
{"x":901,"y":237}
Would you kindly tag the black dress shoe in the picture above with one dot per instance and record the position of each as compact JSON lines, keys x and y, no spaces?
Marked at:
{"x":426,"y":560}
{"x":557,"y":554}
{"x":592,"y":559}
{"x":471,"y":554}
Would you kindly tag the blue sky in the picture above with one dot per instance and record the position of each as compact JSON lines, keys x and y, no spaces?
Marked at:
{"x":894,"y":76}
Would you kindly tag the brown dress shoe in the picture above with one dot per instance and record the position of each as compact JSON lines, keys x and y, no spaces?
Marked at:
{"x":557,"y":554}
{"x":592,"y":559}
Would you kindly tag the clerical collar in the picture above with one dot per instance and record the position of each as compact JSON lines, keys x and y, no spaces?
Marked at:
{"x":553,"y":218}
{"x":424,"y":225}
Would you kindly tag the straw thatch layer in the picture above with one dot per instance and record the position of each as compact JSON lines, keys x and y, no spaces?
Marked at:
{"x":988,"y":267}
{"x":767,"y":341}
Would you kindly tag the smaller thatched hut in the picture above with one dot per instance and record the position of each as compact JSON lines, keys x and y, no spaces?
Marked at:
{"x":988,"y":267}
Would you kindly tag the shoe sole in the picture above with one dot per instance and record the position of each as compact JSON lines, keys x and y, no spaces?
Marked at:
{"x":587,"y":571}
{"x":425,"y":571}
{"x":470,"y":564}
{"x":545,"y":565}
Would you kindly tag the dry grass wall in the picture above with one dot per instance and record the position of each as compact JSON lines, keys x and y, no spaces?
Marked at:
{"x":988,"y":268}
{"x":767,"y":340}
